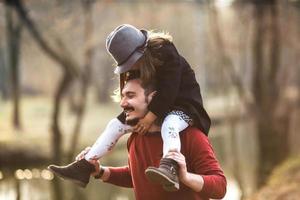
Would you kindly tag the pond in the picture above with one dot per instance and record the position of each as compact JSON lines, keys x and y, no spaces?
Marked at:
{"x":38,"y":184}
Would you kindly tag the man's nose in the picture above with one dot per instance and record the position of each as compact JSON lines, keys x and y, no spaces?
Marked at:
{"x":123,"y":102}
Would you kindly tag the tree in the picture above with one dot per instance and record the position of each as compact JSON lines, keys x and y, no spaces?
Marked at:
{"x":225,"y":63}
{"x":85,"y":76}
{"x":267,"y":106}
{"x":70,"y":70}
{"x":3,"y":74}
{"x":13,"y":32}
{"x":272,"y":123}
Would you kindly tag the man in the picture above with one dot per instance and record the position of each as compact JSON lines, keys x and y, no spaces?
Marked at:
{"x":177,"y":102}
{"x":200,"y":174}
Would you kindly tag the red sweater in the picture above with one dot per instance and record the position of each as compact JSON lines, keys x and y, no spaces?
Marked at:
{"x":145,"y":151}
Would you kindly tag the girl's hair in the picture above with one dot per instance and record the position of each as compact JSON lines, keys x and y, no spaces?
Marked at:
{"x":149,"y":61}
{"x":151,"y":58}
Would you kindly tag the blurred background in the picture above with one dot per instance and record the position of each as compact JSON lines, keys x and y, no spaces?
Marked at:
{"x":56,"y":83}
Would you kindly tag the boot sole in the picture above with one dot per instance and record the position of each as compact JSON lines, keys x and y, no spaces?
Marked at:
{"x":156,"y":176}
{"x":79,"y":183}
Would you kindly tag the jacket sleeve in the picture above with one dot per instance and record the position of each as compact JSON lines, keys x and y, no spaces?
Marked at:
{"x":120,"y":176}
{"x":168,"y":78}
{"x":204,"y":163}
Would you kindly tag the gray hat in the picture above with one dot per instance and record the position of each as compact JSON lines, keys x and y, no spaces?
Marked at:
{"x":126,"y":45}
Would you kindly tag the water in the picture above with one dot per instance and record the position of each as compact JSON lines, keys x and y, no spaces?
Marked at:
{"x":35,"y":184}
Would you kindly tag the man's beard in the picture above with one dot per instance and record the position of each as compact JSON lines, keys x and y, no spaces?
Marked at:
{"x":132,"y":122}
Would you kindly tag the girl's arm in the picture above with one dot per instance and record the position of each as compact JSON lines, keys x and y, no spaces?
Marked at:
{"x":168,"y":80}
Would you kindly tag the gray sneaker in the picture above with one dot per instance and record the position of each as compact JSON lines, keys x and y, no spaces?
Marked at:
{"x":78,"y":172}
{"x":166,"y":174}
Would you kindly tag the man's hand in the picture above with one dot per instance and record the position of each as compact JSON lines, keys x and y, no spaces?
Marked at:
{"x":93,"y":161}
{"x":97,"y":166}
{"x":82,"y":153}
{"x":144,"y":124}
{"x":194,"y":181}
{"x":180,"y":159}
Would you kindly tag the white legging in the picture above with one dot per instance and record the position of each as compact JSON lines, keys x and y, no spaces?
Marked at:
{"x":172,"y":125}
{"x":170,"y":129}
{"x":107,"y":140}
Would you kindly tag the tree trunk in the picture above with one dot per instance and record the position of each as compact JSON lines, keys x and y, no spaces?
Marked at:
{"x":85,"y":77}
{"x":14,"y":29}
{"x":70,"y":70}
{"x":57,"y":136}
{"x":272,"y":130}
{"x":226,"y":64}
{"x":68,"y":65}
{"x":3,"y":76}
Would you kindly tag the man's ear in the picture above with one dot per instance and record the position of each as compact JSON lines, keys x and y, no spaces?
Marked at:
{"x":151,"y":95}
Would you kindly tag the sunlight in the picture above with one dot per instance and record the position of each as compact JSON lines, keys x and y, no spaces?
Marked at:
{"x":233,"y":191}
{"x":27,"y":174}
{"x":19,"y":174}
{"x":223,"y":3}
{"x":46,"y":174}
{"x":36,"y":173}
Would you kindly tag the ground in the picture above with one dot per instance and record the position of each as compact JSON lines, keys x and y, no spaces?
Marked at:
{"x":283,"y":184}
{"x":33,"y":142}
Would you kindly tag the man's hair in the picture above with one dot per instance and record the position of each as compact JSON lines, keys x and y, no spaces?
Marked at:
{"x":148,"y":87}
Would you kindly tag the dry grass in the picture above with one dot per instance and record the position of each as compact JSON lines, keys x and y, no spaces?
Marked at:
{"x":284,"y":183}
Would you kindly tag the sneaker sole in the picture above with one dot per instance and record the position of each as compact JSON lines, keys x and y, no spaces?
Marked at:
{"x":79,"y":183}
{"x":156,"y":176}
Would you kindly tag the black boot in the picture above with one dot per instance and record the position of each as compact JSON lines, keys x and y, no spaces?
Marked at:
{"x":78,"y":172}
{"x":166,"y":174}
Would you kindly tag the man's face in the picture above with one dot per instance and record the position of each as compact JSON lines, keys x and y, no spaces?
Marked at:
{"x":134,"y":102}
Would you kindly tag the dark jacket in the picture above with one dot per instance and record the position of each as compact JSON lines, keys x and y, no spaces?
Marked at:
{"x":177,"y":89}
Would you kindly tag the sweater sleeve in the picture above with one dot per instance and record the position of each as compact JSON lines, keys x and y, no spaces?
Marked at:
{"x":120,"y":176}
{"x":168,"y":78}
{"x":204,"y":163}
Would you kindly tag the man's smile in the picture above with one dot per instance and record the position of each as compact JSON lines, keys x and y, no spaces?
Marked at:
{"x":128,"y":109}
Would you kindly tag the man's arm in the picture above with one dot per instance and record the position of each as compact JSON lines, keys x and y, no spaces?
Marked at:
{"x":211,"y":185}
{"x":119,"y":176}
{"x":207,"y":177}
{"x":191,"y":180}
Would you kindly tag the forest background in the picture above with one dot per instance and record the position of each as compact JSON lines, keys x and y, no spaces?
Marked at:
{"x":56,"y":83}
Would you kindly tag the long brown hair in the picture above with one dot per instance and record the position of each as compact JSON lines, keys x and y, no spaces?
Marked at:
{"x":151,"y":58}
{"x":149,"y":61}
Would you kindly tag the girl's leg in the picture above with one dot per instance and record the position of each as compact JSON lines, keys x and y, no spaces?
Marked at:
{"x":167,"y":172}
{"x":175,"y":122}
{"x":106,"y":141}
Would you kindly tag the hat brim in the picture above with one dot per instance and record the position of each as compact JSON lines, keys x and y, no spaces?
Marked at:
{"x":129,"y":63}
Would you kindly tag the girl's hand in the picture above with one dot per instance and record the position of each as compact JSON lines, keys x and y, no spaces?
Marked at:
{"x":144,"y":124}
{"x":142,"y":127}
